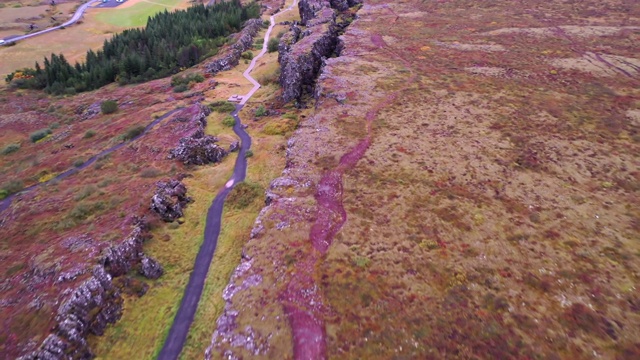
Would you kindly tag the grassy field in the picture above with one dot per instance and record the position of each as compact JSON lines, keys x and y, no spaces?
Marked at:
{"x":137,"y":14}
{"x":97,"y":26}
{"x":16,"y":20}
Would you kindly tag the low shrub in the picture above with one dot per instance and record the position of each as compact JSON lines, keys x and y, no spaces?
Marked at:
{"x":89,"y":134}
{"x":180,"y":88}
{"x":185,"y":80}
{"x":248,"y":55}
{"x":85,"y":209}
{"x":39,"y":134}
{"x":131,"y":133}
{"x":222,"y":106}
{"x":272,"y":78}
{"x":243,"y":194}
{"x":78,"y":162}
{"x":11,"y":187}
{"x":85,"y":193}
{"x":11,"y":148}
{"x":109,"y":107}
{"x":248,"y":154}
{"x":272,"y":45}
{"x":261,"y":111}
{"x":228,"y":121}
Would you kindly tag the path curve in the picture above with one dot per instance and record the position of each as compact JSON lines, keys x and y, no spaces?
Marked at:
{"x":184,"y":317}
{"x":6,"y":202}
{"x":76,"y":16}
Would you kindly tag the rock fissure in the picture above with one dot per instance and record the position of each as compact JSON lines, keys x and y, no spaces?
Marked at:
{"x":301,"y":53}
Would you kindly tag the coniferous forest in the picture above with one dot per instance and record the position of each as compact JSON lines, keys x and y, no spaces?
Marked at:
{"x":169,"y":42}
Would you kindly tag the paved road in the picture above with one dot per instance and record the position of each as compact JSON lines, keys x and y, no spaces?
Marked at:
{"x":182,"y":322}
{"x":73,"y":20}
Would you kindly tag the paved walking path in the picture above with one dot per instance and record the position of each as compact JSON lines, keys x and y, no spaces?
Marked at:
{"x":182,"y":322}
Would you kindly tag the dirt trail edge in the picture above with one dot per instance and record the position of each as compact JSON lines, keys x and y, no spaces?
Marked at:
{"x":184,"y":317}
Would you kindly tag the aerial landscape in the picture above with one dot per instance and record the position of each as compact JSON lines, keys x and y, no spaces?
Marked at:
{"x":320,"y":179}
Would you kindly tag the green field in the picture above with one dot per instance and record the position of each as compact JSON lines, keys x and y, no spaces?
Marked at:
{"x":136,"y":15}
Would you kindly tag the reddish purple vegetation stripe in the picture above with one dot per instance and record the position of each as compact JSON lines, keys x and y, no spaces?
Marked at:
{"x":302,"y":301}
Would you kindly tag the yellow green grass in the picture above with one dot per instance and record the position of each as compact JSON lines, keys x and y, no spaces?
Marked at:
{"x":136,"y":15}
{"x":146,"y":320}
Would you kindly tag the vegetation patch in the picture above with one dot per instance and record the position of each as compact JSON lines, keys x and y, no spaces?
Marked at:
{"x":283,"y":126}
{"x":11,"y":187}
{"x":244,"y":194}
{"x":11,"y":148}
{"x":108,"y":107}
{"x":222,"y":106}
{"x":229,"y":121}
{"x":39,"y":134}
{"x":131,"y":133}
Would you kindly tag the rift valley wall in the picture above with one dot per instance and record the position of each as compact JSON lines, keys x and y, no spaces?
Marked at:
{"x":255,"y":320}
{"x":303,"y":50}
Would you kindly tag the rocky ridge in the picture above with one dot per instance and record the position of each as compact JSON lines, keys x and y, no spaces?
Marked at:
{"x":96,"y":302}
{"x":170,"y":199}
{"x":243,"y":41}
{"x":289,"y":201}
{"x":303,"y":50}
{"x":197,"y":148}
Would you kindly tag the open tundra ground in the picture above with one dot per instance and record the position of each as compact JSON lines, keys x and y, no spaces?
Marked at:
{"x":467,"y":186}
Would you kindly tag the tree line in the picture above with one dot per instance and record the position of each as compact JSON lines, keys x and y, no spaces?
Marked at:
{"x":171,"y":41}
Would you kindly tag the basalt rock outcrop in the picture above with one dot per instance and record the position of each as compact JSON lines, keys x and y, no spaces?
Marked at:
{"x":170,"y":199}
{"x":96,"y":302}
{"x":197,"y":148}
{"x":150,"y":268}
{"x":243,"y":41}
{"x":302,"y":50}
{"x":90,"y":308}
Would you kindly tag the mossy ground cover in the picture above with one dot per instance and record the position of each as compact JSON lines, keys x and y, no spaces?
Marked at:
{"x":494,"y":213}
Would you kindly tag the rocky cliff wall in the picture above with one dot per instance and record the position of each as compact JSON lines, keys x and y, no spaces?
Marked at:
{"x":96,"y":302}
{"x":303,"y":50}
{"x":244,"y":41}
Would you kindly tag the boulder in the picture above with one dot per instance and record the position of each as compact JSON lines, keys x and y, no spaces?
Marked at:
{"x":198,"y":149}
{"x":235,"y":146}
{"x":119,"y":259}
{"x":170,"y":199}
{"x":150,"y":268}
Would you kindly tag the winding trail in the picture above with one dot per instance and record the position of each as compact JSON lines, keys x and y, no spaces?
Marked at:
{"x":4,"y":204}
{"x":76,"y":16}
{"x":184,"y":317}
